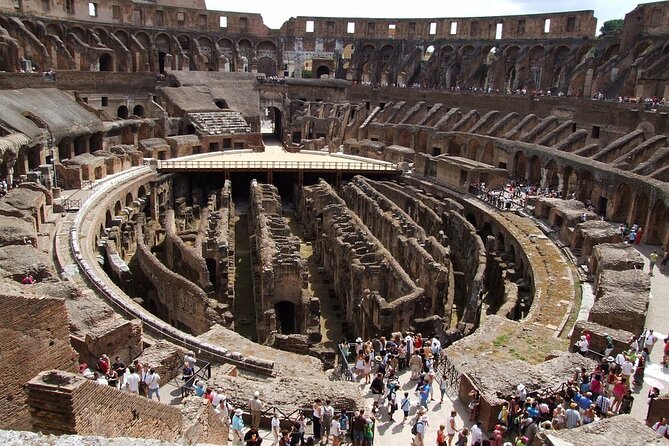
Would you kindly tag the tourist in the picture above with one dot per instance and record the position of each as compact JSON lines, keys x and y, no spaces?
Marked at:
{"x":415,"y":364}
{"x":275,"y":428}
{"x":626,"y":403}
{"x":497,"y":437}
{"x":343,"y":426}
{"x":474,"y":404}
{"x":285,"y":438}
{"x":187,"y":374}
{"x":559,"y":418}
{"x":451,"y":428}
{"x":119,"y":367}
{"x":649,"y":340}
{"x":132,"y":381}
{"x":441,"y":435}
{"x":335,"y":430}
{"x":368,"y":434}
{"x":302,"y":422}
{"x":392,"y":400}
{"x":317,"y":412}
{"x":405,"y":405}
{"x":153,"y":384}
{"x":104,"y":364}
{"x":653,"y":260}
{"x":296,"y":437}
{"x":462,"y":437}
{"x":238,"y":425}
{"x":589,"y":414}
{"x":360,"y":364}
{"x":583,"y":345}
{"x":327,"y":414}
{"x":367,"y":368}
{"x":359,"y":428}
{"x":661,"y":427}
{"x":572,"y":417}
{"x":420,"y":424}
{"x":377,"y":387}
{"x":256,"y":408}
{"x":477,"y":433}
{"x":602,"y":405}
{"x":619,"y":390}
{"x":252,"y":437}
{"x":189,"y":357}
{"x":112,"y":378}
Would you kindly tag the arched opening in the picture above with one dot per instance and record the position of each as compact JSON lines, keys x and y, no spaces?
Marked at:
{"x":106,"y":63}
{"x":138,"y":110}
{"x":128,"y":199}
{"x":211,"y":268}
{"x":322,"y":71}
{"x":122,"y":112}
{"x":623,"y":201}
{"x":267,"y":66}
{"x":551,"y":179}
{"x":535,"y":170}
{"x":640,"y":209}
{"x":488,"y":156}
{"x":117,"y":207}
{"x":141,"y":192}
{"x":108,"y":219}
{"x":272,"y":122}
{"x":569,"y":182}
{"x":519,"y":165}
{"x":161,"y":62}
{"x":285,"y":317}
{"x":657,"y":225}
{"x":585,"y":186}
{"x":222,"y":104}
{"x":472,"y":150}
{"x":428,"y":53}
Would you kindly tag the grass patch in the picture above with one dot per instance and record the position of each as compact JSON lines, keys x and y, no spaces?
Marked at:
{"x":500,"y":341}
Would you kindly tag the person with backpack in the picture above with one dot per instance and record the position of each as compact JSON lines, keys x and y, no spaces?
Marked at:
{"x":369,"y":432}
{"x":418,"y":428}
{"x":327,"y":415}
{"x":392,"y":401}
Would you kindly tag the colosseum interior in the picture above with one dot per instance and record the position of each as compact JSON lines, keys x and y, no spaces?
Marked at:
{"x":189,"y":180}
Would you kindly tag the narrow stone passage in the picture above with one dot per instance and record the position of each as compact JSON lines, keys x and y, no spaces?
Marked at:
{"x":245,"y":308}
{"x":319,"y":285}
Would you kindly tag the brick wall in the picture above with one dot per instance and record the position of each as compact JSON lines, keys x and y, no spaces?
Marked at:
{"x":34,"y":335}
{"x":63,"y":402}
{"x":83,"y":81}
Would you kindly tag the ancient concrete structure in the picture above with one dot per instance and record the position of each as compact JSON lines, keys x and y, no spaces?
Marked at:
{"x":282,"y":302}
{"x":136,"y":258}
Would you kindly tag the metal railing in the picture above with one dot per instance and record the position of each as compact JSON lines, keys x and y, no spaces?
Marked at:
{"x":203,"y":372}
{"x":447,"y":368}
{"x":344,"y":370}
{"x":278,"y":165}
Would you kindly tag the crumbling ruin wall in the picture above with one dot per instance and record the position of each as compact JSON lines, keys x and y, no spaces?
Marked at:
{"x":65,"y":403}
{"x":35,"y":336}
{"x":405,"y":240}
{"x":113,"y":336}
{"x":283,"y":271}
{"x":178,"y":300}
{"x":381,"y":297}
{"x":621,"y":300}
{"x":181,"y":258}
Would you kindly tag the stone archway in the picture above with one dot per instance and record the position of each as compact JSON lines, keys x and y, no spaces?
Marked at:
{"x":622,"y":203}
{"x":534,"y":176}
{"x":551,"y":179}
{"x":285,"y":317}
{"x":640,"y":212}
{"x":655,"y":232}
{"x":519,"y":165}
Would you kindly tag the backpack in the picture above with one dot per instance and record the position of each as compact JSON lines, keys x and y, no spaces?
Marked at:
{"x":414,"y":428}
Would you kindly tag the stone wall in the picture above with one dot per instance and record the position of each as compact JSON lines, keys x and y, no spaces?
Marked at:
{"x":380,"y":296}
{"x":282,"y":270}
{"x":184,"y":259}
{"x":64,"y":403}
{"x":176,"y":300}
{"x":35,"y":336}
{"x":404,"y":239}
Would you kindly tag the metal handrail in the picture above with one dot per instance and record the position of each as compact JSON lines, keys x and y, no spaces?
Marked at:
{"x":277,"y":165}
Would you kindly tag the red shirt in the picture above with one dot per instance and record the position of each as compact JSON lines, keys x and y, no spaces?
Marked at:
{"x":104,"y":366}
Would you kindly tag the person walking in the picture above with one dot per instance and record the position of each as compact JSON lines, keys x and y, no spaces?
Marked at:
{"x":153,"y":384}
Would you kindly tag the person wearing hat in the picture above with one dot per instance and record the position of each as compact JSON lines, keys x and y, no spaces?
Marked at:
{"x":583,"y":345}
{"x":238,"y":425}
{"x":255,"y":407}
{"x":420,"y":424}
{"x":572,"y":417}
{"x":522,"y":393}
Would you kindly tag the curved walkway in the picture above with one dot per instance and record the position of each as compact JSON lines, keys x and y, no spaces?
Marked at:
{"x":87,"y":261}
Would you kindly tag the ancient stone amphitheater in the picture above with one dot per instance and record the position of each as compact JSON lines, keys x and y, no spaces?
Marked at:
{"x":191,"y":180}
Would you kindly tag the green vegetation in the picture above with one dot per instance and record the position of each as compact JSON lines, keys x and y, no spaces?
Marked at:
{"x":612,"y":26}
